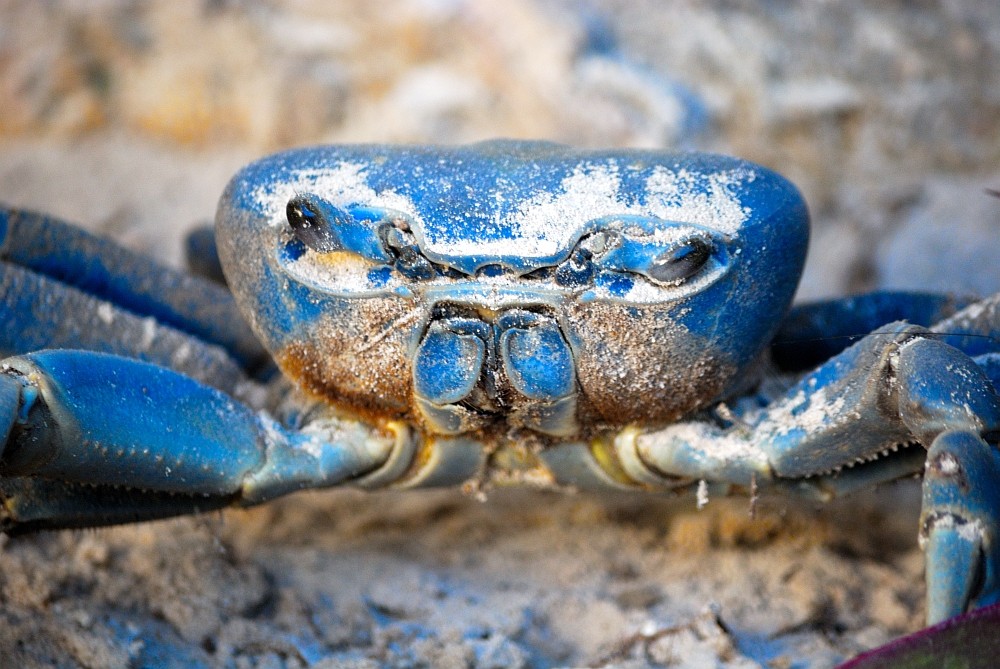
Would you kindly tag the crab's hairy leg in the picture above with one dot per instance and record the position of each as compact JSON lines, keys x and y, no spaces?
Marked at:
{"x":109,"y":438}
{"x":816,"y":331}
{"x":38,"y":313}
{"x":109,"y":272}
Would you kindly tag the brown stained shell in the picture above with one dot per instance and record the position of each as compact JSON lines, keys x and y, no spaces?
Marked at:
{"x":359,"y":358}
{"x":636,"y":365}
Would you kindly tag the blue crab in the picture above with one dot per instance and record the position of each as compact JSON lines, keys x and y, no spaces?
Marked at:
{"x":481,"y":315}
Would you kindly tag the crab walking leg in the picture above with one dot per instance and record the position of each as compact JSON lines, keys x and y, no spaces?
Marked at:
{"x":40,"y":313}
{"x":886,"y":390}
{"x":201,"y":253}
{"x":129,"y":280}
{"x":949,"y":403}
{"x":816,"y":331}
{"x":975,"y":329}
{"x":990,"y":364}
{"x":138,"y":433}
{"x":960,"y":515}
{"x":959,"y":523}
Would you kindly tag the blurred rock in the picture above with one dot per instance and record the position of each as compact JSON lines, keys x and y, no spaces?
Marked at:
{"x":948,"y":242}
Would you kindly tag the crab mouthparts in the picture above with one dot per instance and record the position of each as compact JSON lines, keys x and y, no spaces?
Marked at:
{"x":472,"y":367}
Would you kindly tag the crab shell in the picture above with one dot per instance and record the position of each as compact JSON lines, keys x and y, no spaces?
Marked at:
{"x":490,"y":339}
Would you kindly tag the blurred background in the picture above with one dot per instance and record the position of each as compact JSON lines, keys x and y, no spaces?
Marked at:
{"x":887,"y":114}
{"x":129,"y":117}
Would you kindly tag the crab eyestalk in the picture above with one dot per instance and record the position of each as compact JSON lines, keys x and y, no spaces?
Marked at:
{"x":326,"y":228}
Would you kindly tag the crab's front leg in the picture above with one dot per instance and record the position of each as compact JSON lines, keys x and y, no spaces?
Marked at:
{"x":92,"y":439}
{"x":839,"y":429}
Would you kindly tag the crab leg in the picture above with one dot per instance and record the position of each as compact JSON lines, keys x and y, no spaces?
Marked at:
{"x":959,"y":523}
{"x":950,"y":404}
{"x":104,"y":438}
{"x":201,"y":254}
{"x":70,"y":256}
{"x":890,"y":389}
{"x":833,"y":418}
{"x":816,"y":331}
{"x":39,"y":313}
{"x":961,"y":502}
{"x":975,"y":330}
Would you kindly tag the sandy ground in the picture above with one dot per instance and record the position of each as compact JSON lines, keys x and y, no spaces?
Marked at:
{"x":130,"y":118}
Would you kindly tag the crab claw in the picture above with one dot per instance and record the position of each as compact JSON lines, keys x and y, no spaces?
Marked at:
{"x":94,"y":439}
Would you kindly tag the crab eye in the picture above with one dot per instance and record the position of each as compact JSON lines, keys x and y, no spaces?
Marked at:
{"x":580,"y":268}
{"x":681,"y":262}
{"x":324,"y":227}
{"x":314,"y":224}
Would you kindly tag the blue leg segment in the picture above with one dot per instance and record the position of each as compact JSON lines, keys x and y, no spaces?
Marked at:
{"x":832,"y":419}
{"x":96,"y":438}
{"x":949,"y":402}
{"x":32,"y":504}
{"x":815,"y":332}
{"x":959,"y":524}
{"x":202,"y":254}
{"x":109,"y":272}
{"x":940,"y":389}
{"x":974,"y":330}
{"x":40,"y":313}
{"x":990,"y":364}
